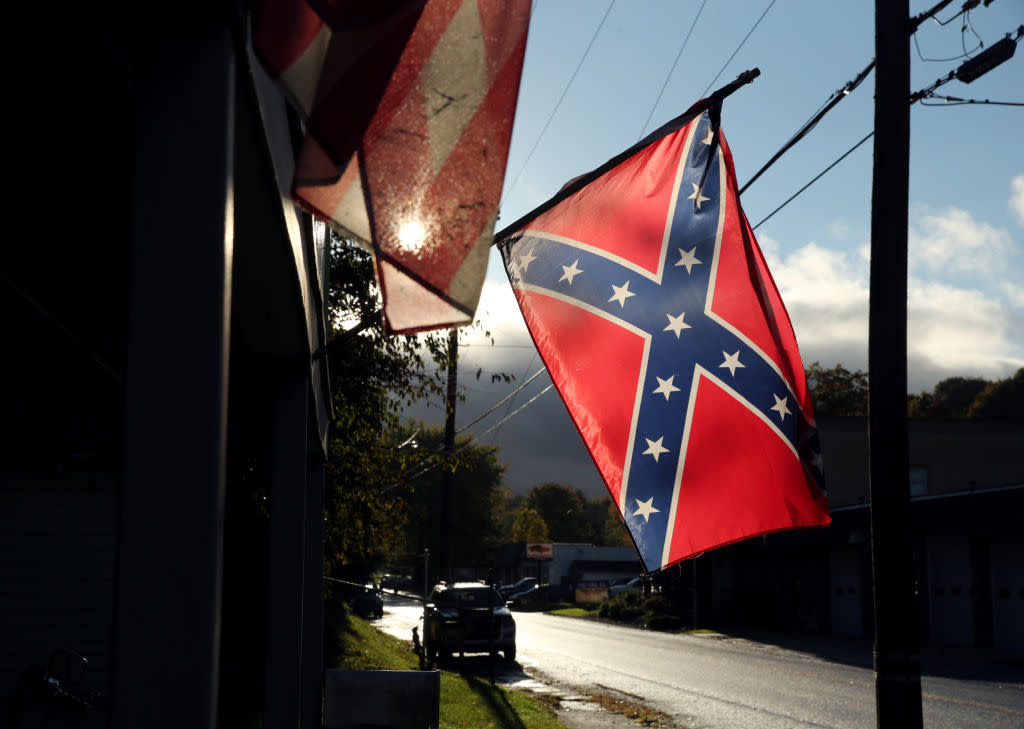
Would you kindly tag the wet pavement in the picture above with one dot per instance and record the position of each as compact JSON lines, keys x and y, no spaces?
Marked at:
{"x":734,"y":681}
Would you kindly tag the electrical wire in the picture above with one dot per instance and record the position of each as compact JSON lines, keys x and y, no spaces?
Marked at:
{"x":517,"y":410}
{"x":722,"y":69}
{"x":427,"y":467}
{"x":839,"y":95}
{"x":525,"y":370}
{"x":505,"y":399}
{"x":558,"y":104}
{"x":672,"y":70}
{"x":809,"y":125}
{"x":954,"y":101}
{"x":965,"y":54}
{"x":926,"y":93}
{"x":816,"y":178}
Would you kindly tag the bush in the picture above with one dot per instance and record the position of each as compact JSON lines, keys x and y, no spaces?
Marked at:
{"x":627,"y":606}
{"x":654,"y":612}
{"x":663,"y":622}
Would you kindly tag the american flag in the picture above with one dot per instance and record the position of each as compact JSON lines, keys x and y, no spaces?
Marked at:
{"x":654,"y":311}
{"x":408,"y":106}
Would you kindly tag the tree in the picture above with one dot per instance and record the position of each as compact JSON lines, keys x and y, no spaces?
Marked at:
{"x":837,"y":391}
{"x":475,"y":499}
{"x":373,"y":376}
{"x":561,"y":508}
{"x":529,"y":526}
{"x":951,"y":398}
{"x":614,"y":532}
{"x":1000,"y":399}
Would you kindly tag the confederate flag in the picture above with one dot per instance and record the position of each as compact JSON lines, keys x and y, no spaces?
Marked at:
{"x":654,"y":311}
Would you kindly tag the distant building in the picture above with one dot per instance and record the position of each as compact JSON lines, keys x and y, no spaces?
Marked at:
{"x":570,"y":563}
{"x":967,"y":495}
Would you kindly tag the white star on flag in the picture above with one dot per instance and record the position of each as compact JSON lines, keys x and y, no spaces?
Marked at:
{"x":732,"y":361}
{"x":687,"y":258}
{"x":569,"y":272}
{"x":697,"y":196}
{"x":780,"y":407}
{"x":645,"y":509}
{"x":621,"y":294}
{"x":526,"y":259}
{"x":654,"y":448}
{"x":676,"y":324}
{"x":665,"y":387}
{"x":709,"y":137}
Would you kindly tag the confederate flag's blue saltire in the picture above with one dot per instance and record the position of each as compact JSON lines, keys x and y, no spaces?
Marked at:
{"x":654,"y":311}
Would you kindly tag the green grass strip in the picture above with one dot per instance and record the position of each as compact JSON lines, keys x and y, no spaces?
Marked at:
{"x":467,"y":701}
{"x":574,"y":612}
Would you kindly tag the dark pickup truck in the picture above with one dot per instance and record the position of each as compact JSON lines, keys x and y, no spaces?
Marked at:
{"x":467,"y":617}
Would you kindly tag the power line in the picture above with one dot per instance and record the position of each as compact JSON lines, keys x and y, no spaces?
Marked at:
{"x":672,"y":70}
{"x":559,"y":103}
{"x":508,"y":397}
{"x":816,"y":178}
{"x":427,"y":467}
{"x":927,"y":93}
{"x":525,"y":370}
{"x":845,"y":91}
{"x":705,"y":91}
{"x":809,"y":125}
{"x":974,"y":67}
{"x":516,"y":411}
{"x":954,"y":101}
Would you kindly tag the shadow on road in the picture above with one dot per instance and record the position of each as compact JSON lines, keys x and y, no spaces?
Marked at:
{"x":497,"y":702}
{"x":484,"y":667}
{"x":957,"y":662}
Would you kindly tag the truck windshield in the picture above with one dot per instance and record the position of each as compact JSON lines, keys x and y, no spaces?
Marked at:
{"x":470,"y":597}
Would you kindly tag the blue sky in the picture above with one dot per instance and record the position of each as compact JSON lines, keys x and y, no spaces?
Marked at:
{"x":966,"y":289}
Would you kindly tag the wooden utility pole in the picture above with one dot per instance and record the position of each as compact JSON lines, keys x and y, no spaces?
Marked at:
{"x":896,"y":654}
{"x":445,"y":565}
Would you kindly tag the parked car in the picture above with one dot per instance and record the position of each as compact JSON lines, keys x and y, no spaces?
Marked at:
{"x":540,"y":596}
{"x":467,"y":617}
{"x":637,"y":583}
{"x":368,"y":602}
{"x":516,"y":587}
{"x":396,"y":582}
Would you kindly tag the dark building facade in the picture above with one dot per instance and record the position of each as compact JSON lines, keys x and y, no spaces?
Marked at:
{"x":967,"y":494}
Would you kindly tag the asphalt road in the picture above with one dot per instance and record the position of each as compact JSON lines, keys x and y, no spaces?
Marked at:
{"x":714,"y":681}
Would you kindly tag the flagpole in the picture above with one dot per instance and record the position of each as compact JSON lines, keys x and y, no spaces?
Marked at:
{"x":578,"y":183}
{"x":896,"y":651}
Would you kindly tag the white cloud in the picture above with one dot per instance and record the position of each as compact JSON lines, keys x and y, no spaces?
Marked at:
{"x":953,"y":242}
{"x":1014,"y":294}
{"x":1017,"y":198}
{"x":951,"y":330}
{"x":826,"y":294}
{"x":963,"y":330}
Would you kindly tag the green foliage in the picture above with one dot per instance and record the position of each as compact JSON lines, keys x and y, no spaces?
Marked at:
{"x":951,"y":398}
{"x":373,"y":376}
{"x":474,"y":500}
{"x":467,"y":701}
{"x":529,"y":526}
{"x":655,"y":612}
{"x":561,"y":508}
{"x":624,"y":607}
{"x":613,"y":531}
{"x":571,"y":517}
{"x":837,"y":391}
{"x":572,"y":612}
{"x":1000,"y":399}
